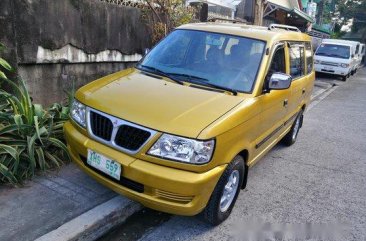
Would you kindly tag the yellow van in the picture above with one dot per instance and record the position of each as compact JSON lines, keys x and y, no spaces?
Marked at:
{"x":179,"y":131}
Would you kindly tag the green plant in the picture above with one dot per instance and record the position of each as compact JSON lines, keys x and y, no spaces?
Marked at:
{"x":31,"y":137}
{"x":4,"y":64}
{"x":167,"y":15}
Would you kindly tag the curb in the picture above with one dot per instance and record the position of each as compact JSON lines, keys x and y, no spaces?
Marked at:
{"x":321,"y":96}
{"x":324,"y":88}
{"x":94,"y":223}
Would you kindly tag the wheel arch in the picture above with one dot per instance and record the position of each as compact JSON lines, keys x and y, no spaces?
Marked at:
{"x":245,"y":155}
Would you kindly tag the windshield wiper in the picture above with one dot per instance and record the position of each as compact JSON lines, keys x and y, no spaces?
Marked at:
{"x":189,"y":76}
{"x":324,"y":54}
{"x":215,"y":86}
{"x":204,"y":81}
{"x":159,"y":72}
{"x":336,"y":55}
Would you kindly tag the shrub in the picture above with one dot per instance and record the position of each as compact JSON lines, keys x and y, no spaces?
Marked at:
{"x":31,"y":137}
{"x":165,"y":15}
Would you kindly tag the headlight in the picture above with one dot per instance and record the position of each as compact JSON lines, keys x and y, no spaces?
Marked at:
{"x":78,"y":113}
{"x":344,"y":65}
{"x":316,"y":61}
{"x":183,"y":149}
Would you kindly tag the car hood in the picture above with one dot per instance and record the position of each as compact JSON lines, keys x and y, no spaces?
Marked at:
{"x":156,"y":103}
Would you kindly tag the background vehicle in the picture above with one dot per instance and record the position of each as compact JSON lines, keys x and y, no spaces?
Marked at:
{"x":179,"y":132}
{"x":363,"y":50}
{"x":337,"y":57}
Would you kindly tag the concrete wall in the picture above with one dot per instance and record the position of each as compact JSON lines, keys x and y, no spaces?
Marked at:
{"x":54,"y":43}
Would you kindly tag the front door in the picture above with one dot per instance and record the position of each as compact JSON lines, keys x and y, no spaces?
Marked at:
{"x":274,"y":103}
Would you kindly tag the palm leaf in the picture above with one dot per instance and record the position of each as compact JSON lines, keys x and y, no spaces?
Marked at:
{"x":10,"y":150}
{"x":6,"y":65}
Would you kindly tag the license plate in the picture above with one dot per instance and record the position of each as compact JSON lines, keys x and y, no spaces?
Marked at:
{"x":104,"y":164}
{"x":328,"y":68}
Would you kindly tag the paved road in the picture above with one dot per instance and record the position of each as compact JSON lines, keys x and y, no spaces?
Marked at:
{"x":317,"y":182}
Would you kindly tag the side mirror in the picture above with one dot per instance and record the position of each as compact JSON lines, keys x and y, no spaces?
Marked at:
{"x":279,"y":81}
{"x":146,"y":51}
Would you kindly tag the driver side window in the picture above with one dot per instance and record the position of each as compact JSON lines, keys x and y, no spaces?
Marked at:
{"x":278,"y":64}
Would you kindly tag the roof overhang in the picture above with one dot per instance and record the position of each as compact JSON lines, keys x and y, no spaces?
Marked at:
{"x":303,"y":15}
{"x":288,"y":6}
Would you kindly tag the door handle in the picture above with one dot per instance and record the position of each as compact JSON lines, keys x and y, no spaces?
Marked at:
{"x":303,"y":90}
{"x":285,"y":102}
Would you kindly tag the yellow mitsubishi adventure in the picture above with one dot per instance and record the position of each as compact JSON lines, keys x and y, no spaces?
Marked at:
{"x":179,"y":131}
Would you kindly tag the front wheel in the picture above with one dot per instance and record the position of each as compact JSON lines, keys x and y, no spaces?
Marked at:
{"x":290,"y":138}
{"x":225,"y":193}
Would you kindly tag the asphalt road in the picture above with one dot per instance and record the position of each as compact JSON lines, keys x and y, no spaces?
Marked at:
{"x":313,"y":190}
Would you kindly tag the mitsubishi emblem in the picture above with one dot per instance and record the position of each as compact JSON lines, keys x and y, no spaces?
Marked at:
{"x":115,"y":122}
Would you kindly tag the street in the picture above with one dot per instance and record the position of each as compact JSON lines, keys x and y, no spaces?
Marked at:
{"x":318,"y":185}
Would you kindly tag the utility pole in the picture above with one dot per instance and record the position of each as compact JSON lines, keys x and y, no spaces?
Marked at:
{"x":258,"y":12}
{"x":319,"y":18}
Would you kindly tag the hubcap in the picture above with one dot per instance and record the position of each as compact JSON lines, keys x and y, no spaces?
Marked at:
{"x":230,"y":190}
{"x":296,"y":128}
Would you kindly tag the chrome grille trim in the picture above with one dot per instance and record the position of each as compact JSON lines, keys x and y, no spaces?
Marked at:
{"x":329,"y":63}
{"x":117,"y":122}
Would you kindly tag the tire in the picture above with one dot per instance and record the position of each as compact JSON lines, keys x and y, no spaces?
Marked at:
{"x":344,"y":78}
{"x":215,"y":213}
{"x":291,"y":137}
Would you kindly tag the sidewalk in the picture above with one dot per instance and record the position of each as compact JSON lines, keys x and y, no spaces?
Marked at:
{"x":48,"y":202}
{"x":67,"y":205}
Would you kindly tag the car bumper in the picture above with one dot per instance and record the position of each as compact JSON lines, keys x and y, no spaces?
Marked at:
{"x":158,"y":187}
{"x":332,"y":70}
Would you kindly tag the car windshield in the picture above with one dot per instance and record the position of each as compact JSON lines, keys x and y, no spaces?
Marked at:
{"x":333,"y":50}
{"x":211,"y":59}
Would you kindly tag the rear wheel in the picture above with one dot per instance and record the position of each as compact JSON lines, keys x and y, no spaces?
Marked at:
{"x":225,"y":193}
{"x":291,"y":137}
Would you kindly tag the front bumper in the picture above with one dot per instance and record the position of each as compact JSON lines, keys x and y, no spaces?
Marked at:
{"x":332,"y":69}
{"x":163,"y":188}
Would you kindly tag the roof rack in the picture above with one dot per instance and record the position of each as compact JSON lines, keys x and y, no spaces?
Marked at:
{"x":285,"y":27}
{"x":227,"y":20}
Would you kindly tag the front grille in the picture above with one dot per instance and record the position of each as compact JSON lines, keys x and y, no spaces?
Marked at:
{"x":117,"y":133}
{"x":101,"y":126}
{"x":329,"y":63}
{"x":135,"y":186}
{"x":131,"y":138}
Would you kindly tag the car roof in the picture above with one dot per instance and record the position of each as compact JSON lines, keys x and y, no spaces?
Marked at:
{"x":249,"y":31}
{"x":338,"y":43}
{"x":341,"y":41}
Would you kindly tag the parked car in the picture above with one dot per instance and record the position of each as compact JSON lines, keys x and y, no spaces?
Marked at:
{"x":362,"y":54}
{"x":337,"y":57}
{"x":179,"y":131}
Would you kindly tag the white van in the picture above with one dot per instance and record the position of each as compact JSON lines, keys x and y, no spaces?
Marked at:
{"x":362,"y":54}
{"x":337,"y":57}
{"x":358,"y":56}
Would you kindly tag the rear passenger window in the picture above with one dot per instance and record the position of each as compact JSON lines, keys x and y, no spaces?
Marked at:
{"x":309,"y":57}
{"x":297,"y":60}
